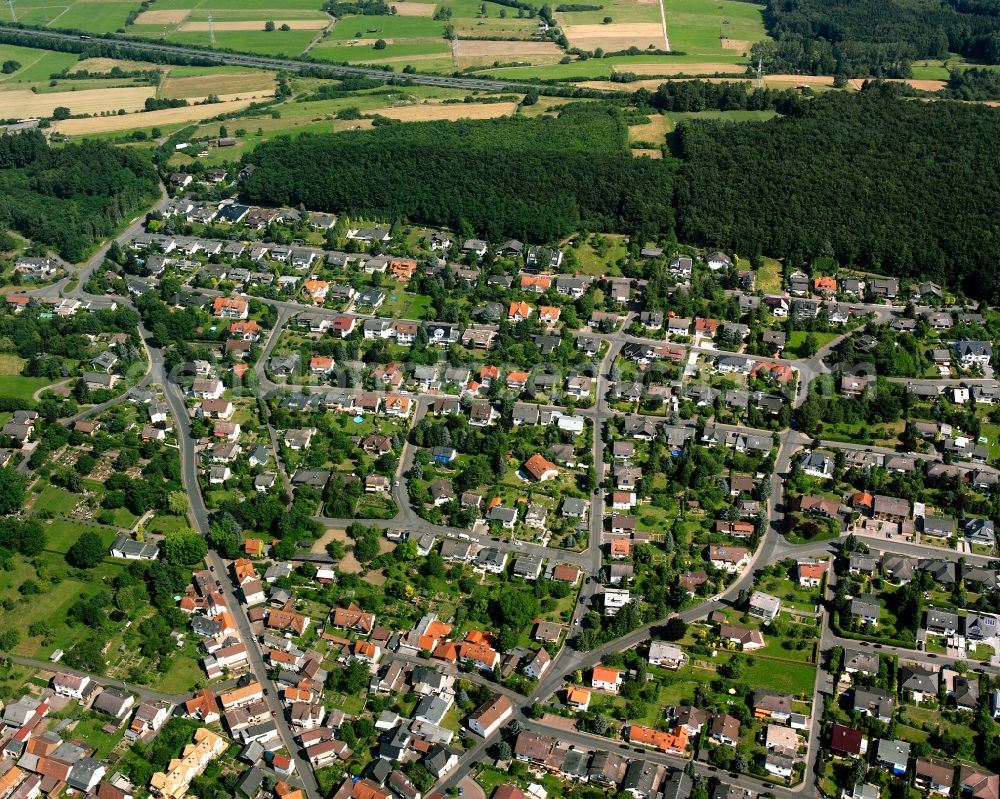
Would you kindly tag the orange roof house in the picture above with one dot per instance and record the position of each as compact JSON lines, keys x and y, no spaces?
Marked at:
{"x":232,"y":307}
{"x":621,"y":548}
{"x":395,"y":405}
{"x":286,"y":620}
{"x":517,"y":379}
{"x":477,"y":649}
{"x":578,"y":697}
{"x":540,"y":469}
{"x":548,"y":313}
{"x":518,"y":312}
{"x":605,"y":678}
{"x":244,"y":571}
{"x":825,"y":284}
{"x":537,"y":283}
{"x":320,"y":363}
{"x":489,"y":373}
{"x":403,"y":269}
{"x":245,"y":329}
{"x":353,"y":618}
{"x":705,"y":327}
{"x":862,"y":499}
{"x":811,"y":571}
{"x":317,"y":289}
{"x":676,"y":741}
{"x":779,"y":372}
{"x":253,"y":547}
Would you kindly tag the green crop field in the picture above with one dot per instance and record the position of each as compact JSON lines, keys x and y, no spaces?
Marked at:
{"x":618,"y":10}
{"x":95,"y":17}
{"x":36,"y":65}
{"x":277,"y":43}
{"x":387,"y":28}
{"x":697,"y":27}
{"x":336,"y":51}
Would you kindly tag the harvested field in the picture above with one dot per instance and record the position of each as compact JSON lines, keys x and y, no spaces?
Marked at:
{"x":654,"y":132}
{"x":471,"y":49}
{"x":742,"y":45}
{"x":203,"y":85}
{"x":107,"y":64}
{"x":451,"y":112}
{"x":796,"y":80}
{"x":254,"y":25}
{"x":229,"y":98}
{"x":415,"y":9}
{"x":615,"y":36}
{"x":168,"y":116}
{"x":170,"y":17}
{"x":86,"y":101}
{"x":649,"y":153}
{"x":332,"y":534}
{"x":609,"y":85}
{"x":923,"y":85}
{"x":697,"y":68}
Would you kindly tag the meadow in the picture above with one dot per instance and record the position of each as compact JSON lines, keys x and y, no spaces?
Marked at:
{"x":12,"y":384}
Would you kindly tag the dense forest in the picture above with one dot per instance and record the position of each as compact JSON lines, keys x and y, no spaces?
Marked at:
{"x":533,"y":179}
{"x":72,"y":197}
{"x":876,"y":37}
{"x":899,"y":186}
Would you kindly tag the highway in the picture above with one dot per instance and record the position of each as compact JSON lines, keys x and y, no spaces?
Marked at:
{"x":141,"y":47}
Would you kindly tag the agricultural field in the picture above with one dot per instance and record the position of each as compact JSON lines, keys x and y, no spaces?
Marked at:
{"x":92,"y":16}
{"x":720,"y":31}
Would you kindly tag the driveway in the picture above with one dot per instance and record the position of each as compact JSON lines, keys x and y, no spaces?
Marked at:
{"x":470,"y":788}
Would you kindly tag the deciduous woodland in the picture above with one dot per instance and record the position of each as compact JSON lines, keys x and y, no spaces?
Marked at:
{"x":878,"y":180}
{"x":534,"y":179}
{"x":898,"y":186}
{"x":72,"y":197}
{"x":876,"y":37}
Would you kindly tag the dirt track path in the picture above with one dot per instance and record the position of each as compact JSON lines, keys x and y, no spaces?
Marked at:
{"x":663,"y":20}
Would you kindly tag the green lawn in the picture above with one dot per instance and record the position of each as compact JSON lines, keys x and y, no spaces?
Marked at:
{"x":13,"y":385}
{"x":596,"y":256}
{"x":89,"y":730}
{"x":769,"y":276}
{"x":36,"y":65}
{"x":61,"y":534}
{"x":797,"y":338}
{"x":790,"y":593}
{"x":792,"y":678}
{"x":167,"y":524}
{"x":56,"y":500}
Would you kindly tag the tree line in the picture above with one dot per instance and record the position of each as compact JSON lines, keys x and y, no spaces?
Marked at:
{"x":534,"y":179}
{"x":72,"y":197}
{"x":897,"y":186}
{"x":875,"y":37}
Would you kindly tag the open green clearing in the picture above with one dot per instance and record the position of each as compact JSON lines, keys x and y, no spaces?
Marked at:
{"x":698,"y":28}
{"x":12,"y":384}
{"x":36,"y":65}
{"x":797,"y":338}
{"x":618,"y":10}
{"x":62,"y":586}
{"x":279,"y":43}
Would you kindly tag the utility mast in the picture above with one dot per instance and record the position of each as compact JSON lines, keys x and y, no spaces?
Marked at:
{"x":211,"y":29}
{"x":760,"y":72}
{"x":13,"y":16}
